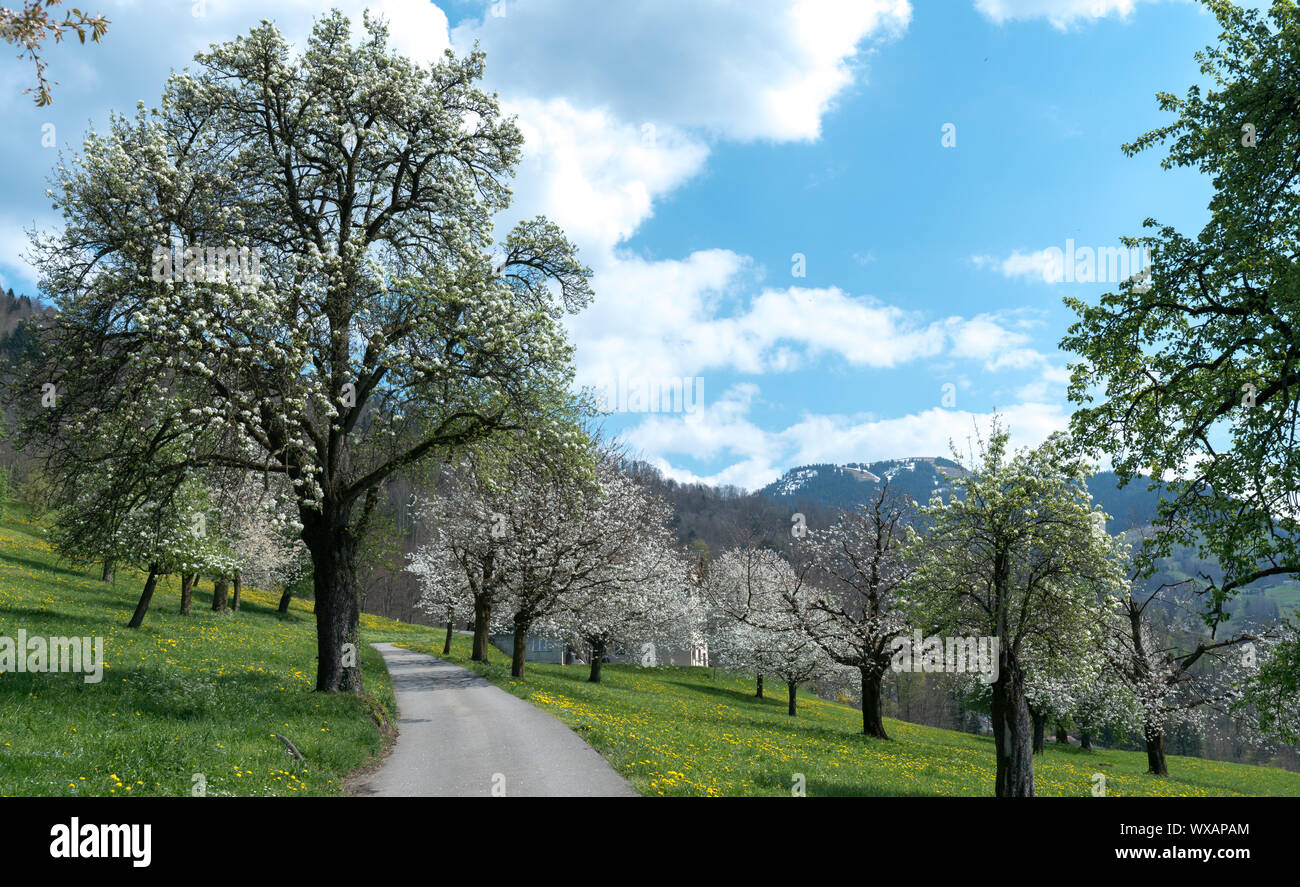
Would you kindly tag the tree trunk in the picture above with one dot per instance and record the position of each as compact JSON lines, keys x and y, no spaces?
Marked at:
{"x":1040,"y":731}
{"x":873,"y":724}
{"x":1085,"y":740}
{"x":238,"y":583}
{"x":446,"y":645}
{"x":338,"y":616}
{"x":520,"y":649}
{"x":107,"y":574}
{"x":137,"y":618}
{"x":759,"y":692}
{"x":1156,"y":752}
{"x":1062,"y":735}
{"x":285,"y":597}
{"x":187,"y":593}
{"x":597,"y":654}
{"x":794,"y":691}
{"x":482,"y":621}
{"x":220,"y":588}
{"x":1012,"y":734}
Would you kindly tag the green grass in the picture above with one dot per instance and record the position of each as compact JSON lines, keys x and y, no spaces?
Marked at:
{"x":680,"y":731}
{"x":182,"y":696}
{"x":1287,"y":596}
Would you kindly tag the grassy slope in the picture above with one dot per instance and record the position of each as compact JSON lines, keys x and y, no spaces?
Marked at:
{"x":680,"y":731}
{"x":181,"y":696}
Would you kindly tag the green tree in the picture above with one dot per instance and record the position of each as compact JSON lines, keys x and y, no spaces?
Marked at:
{"x":33,"y":493}
{"x":1194,"y":373}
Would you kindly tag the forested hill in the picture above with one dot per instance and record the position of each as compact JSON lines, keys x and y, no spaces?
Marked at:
{"x":14,"y":310}
{"x":710,"y":518}
{"x":713,"y":515}
{"x":850,"y":485}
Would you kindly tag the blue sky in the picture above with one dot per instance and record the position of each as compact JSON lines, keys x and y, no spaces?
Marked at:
{"x":695,"y":150}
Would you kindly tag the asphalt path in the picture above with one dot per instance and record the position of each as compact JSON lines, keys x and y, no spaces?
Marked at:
{"x":461,"y":736}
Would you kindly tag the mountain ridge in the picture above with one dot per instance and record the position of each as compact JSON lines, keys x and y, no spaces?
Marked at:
{"x":851,"y":484}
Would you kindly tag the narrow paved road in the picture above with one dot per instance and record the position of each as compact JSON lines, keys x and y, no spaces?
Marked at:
{"x":460,"y":736}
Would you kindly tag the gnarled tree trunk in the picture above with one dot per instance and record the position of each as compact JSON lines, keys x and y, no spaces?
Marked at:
{"x":338,"y":616}
{"x":107,"y":574}
{"x":187,"y":593}
{"x":759,"y":691}
{"x":1085,"y":740}
{"x":873,"y":724}
{"x":520,"y":654}
{"x":238,"y":583}
{"x":1012,"y":735}
{"x":597,"y":654}
{"x":482,"y":623}
{"x":1062,"y":735}
{"x":1040,"y":731}
{"x":285,"y":597}
{"x":1156,"y":764}
{"x":220,"y":593}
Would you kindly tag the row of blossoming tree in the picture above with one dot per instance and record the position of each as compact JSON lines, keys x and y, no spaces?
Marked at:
{"x":1016,"y":556}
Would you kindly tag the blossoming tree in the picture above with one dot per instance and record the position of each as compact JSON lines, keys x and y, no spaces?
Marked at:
{"x":1016,"y":554}
{"x":381,"y":322}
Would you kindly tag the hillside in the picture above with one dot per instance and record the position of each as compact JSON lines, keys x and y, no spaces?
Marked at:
{"x":855,"y":483}
{"x":202,"y":696}
{"x":850,"y":485}
{"x":15,"y":310}
{"x":183,"y":702}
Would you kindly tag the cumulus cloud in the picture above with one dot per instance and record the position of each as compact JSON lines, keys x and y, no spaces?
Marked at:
{"x":593,"y":174}
{"x":1047,"y":264}
{"x":674,"y":319}
{"x":1060,"y":13}
{"x":745,"y":69}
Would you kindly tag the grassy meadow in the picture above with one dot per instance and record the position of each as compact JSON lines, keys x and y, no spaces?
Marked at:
{"x":689,"y":732}
{"x":185,"y":702}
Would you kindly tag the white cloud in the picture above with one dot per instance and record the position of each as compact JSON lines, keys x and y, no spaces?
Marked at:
{"x":928,"y":433}
{"x":983,"y":337}
{"x":417,"y":30}
{"x":745,"y":69}
{"x":670,"y":319}
{"x":1049,"y":386}
{"x":1060,"y":13}
{"x":760,"y":457}
{"x":1047,"y":264}
{"x":593,"y":174}
{"x":14,"y":244}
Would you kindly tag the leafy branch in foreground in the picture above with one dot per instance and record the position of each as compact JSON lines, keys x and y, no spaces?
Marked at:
{"x":32,"y":25}
{"x":1193,"y":378}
